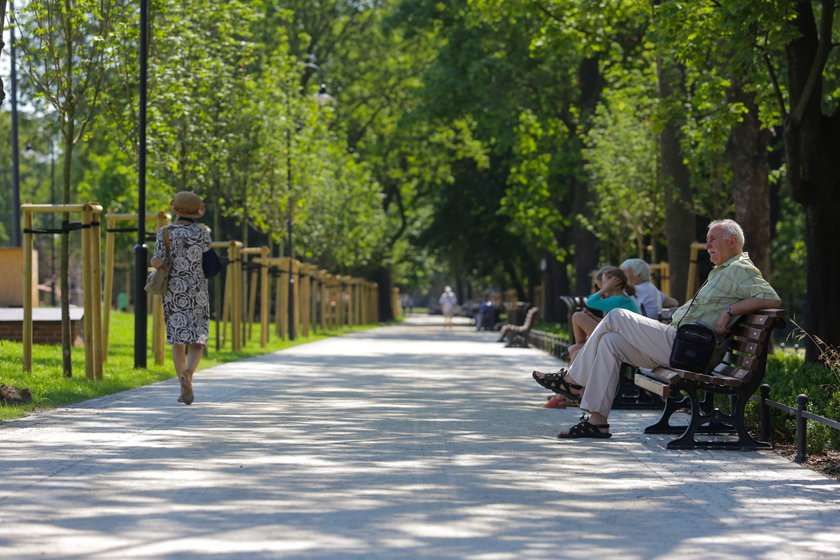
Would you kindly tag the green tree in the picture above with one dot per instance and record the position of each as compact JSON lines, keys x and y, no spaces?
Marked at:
{"x":622,"y":164}
{"x":812,"y":141}
{"x":65,"y":46}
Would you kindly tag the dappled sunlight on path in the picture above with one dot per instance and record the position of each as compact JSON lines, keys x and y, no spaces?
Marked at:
{"x":408,"y":441}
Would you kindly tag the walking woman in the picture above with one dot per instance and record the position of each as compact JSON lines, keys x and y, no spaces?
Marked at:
{"x":186,"y":305}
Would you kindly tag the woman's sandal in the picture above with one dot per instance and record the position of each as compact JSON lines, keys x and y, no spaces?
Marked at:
{"x":584,"y":429}
{"x":559,"y":401}
{"x":557,"y":382}
{"x":187,"y":395}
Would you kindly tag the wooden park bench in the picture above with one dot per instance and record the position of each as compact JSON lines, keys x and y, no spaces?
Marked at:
{"x":517,"y":335}
{"x":738,"y":375}
{"x":573,"y":304}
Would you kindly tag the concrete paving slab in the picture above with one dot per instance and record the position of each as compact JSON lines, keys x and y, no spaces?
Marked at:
{"x":409,"y":441}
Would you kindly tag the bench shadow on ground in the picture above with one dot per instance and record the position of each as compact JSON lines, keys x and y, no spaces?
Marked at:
{"x":382,"y":450}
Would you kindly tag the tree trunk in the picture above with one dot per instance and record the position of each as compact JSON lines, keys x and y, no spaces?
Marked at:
{"x":66,"y":342}
{"x":556,"y":282}
{"x":585,"y":243}
{"x":674,"y":176}
{"x":746,"y":149}
{"x":384,"y":282}
{"x":812,"y":144}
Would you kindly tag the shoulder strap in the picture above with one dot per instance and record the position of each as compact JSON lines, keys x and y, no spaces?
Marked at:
{"x":166,"y":240}
{"x":691,"y":302}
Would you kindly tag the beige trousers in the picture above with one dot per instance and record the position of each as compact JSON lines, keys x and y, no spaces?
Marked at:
{"x":622,"y":336}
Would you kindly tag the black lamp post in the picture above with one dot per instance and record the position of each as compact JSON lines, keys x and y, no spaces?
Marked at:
{"x":16,"y":237}
{"x":322,"y":97}
{"x":290,"y":308}
{"x":141,"y":250}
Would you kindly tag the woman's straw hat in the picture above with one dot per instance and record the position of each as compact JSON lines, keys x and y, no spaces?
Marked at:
{"x":187,"y":205}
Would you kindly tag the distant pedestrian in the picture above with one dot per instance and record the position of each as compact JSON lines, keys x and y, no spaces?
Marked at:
{"x":448,"y":301}
{"x":186,"y":304}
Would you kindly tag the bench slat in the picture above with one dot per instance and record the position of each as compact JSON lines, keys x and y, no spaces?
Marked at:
{"x":730,"y":378}
{"x":655,"y":386}
{"x":666,"y":375}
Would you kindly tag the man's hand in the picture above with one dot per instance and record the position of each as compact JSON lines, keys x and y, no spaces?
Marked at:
{"x":722,"y":325}
{"x":743,"y":307}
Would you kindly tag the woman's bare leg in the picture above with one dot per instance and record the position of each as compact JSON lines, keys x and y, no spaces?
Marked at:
{"x":179,"y":357}
{"x":196,"y":351}
{"x":582,"y":325}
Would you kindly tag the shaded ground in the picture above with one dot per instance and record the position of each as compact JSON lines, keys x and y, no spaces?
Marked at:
{"x":827,"y":464}
{"x":404,"y":442}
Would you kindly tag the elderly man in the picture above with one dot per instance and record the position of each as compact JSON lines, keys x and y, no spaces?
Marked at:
{"x":734,"y":287}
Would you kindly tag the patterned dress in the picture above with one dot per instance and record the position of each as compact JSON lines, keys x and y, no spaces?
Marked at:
{"x":186,"y":306}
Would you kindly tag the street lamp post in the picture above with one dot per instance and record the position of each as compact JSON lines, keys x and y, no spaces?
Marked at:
{"x":322,"y":97}
{"x":141,"y":250}
{"x":52,"y":222}
{"x":16,"y":238}
{"x":290,"y":227}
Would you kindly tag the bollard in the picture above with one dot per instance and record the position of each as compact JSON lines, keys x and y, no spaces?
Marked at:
{"x":764,"y":413}
{"x":801,"y":429}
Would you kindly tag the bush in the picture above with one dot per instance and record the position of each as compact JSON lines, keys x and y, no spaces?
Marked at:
{"x":788,"y":375}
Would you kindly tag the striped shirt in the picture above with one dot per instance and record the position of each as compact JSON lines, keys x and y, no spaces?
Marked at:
{"x":735,"y":280}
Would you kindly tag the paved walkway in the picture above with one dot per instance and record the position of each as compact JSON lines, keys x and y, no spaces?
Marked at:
{"x":407,"y":441}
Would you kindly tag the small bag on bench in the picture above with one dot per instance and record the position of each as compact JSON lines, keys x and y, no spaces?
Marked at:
{"x":694,"y":346}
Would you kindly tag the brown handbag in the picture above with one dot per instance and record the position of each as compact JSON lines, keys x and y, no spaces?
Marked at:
{"x":158,"y":280}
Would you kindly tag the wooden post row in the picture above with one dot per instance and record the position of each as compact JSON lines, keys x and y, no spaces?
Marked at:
{"x":91,"y":279}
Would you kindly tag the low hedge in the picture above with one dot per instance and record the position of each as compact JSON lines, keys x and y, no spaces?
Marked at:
{"x":788,"y":375}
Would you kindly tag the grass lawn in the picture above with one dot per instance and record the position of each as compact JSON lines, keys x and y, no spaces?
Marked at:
{"x":51,"y":389}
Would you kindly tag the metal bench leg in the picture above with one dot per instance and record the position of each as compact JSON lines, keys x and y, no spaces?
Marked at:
{"x":663,"y":425}
{"x":718,"y":422}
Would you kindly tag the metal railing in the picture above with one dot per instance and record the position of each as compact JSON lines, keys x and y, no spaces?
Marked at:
{"x":555,"y":345}
{"x":802,"y":416}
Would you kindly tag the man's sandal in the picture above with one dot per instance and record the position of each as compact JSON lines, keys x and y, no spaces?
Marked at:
{"x":560,"y":401}
{"x":557,"y":382}
{"x":584,"y":429}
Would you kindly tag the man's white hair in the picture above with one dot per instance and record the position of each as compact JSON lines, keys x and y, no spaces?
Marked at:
{"x":732,"y":228}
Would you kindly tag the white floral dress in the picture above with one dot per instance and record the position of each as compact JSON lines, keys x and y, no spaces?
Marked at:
{"x":186,"y":305}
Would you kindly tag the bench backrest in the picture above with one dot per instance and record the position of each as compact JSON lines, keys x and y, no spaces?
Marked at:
{"x":573,"y":304}
{"x":530,"y":317}
{"x":746,"y":359}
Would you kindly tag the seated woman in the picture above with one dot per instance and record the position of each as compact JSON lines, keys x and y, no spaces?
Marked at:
{"x":614,"y":292}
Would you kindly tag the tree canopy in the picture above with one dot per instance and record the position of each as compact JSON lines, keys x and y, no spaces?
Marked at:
{"x":487,"y":143}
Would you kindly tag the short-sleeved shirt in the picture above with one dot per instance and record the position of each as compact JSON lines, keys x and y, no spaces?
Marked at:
{"x":613,"y":302}
{"x":648,"y":299}
{"x":735,"y":280}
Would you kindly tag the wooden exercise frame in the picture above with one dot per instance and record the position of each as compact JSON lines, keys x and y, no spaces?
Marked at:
{"x":691,"y":288}
{"x":262,"y":278}
{"x":356,"y":299}
{"x":662,"y":273}
{"x":91,"y":281}
{"x":158,"y":328}
{"x":232,"y":299}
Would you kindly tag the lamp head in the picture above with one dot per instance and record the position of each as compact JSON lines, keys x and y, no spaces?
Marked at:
{"x":322,"y":97}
